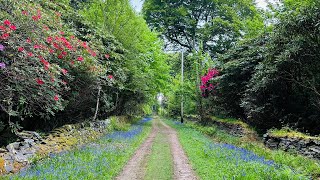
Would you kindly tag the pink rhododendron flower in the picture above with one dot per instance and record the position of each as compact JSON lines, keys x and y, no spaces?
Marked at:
{"x":80,"y":58}
{"x":39,"y":81}
{"x":49,"y":39}
{"x":64,"y":71}
{"x":20,"y":49}
{"x":36,"y":18}
{"x":5,"y":36}
{"x":56,"y":97}
{"x":110,"y":77}
{"x":25,"y":13}
{"x":7,"y":22}
{"x":13,"y":27}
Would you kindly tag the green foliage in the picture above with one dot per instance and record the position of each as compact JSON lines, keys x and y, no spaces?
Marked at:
{"x":36,"y":78}
{"x":115,"y":62}
{"x":190,"y":24}
{"x":272,"y":80}
{"x":284,"y":88}
{"x":145,"y":66}
{"x":237,"y":66}
{"x":118,"y":124}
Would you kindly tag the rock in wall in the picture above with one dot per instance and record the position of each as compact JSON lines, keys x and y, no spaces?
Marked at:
{"x":307,"y":147}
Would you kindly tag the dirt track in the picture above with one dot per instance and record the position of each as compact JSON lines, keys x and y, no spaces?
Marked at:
{"x":136,"y":167}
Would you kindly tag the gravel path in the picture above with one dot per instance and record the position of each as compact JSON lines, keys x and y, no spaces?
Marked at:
{"x":136,"y":167}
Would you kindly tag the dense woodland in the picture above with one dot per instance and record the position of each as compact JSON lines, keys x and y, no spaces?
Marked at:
{"x":261,"y":66}
{"x":67,"y":61}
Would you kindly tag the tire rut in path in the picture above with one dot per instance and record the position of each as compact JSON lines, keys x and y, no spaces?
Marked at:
{"x":136,"y":167}
{"x":181,"y":165}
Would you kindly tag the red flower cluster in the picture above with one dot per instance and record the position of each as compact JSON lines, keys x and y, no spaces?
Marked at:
{"x":44,"y":62}
{"x":85,"y":46}
{"x":64,"y":71}
{"x":205,"y":86}
{"x":110,"y":76}
{"x":37,"y":17}
{"x":6,"y":28}
{"x":40,"y":81}
{"x":56,"y":97}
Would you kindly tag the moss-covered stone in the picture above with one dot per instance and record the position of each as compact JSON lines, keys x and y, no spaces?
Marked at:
{"x":2,"y":169}
{"x":290,"y":133}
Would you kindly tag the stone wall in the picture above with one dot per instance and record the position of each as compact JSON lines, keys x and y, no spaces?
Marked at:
{"x":307,"y":147}
{"x":236,"y":128}
{"x":233,"y":129}
{"x":31,"y":145}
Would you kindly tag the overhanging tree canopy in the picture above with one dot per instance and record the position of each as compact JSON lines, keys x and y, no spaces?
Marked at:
{"x":215,"y":23}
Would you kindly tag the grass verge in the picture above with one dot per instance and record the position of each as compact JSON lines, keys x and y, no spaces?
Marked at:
{"x":222,"y":156}
{"x":160,"y":164}
{"x":102,"y":159}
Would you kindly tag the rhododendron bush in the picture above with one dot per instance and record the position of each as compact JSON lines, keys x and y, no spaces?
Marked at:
{"x":60,"y":63}
{"x":41,"y":60}
{"x":208,"y":86}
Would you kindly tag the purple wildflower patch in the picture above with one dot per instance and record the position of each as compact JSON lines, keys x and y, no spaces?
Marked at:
{"x":236,"y":153}
{"x":91,"y":160}
{"x":2,"y":65}
{"x":2,"y":47}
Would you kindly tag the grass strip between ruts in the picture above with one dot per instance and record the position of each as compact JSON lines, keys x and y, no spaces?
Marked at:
{"x":160,"y":164}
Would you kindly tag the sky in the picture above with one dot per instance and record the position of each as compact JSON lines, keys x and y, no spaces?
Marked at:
{"x":137,"y":4}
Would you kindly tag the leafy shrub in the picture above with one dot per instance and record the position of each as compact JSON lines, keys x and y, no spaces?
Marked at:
{"x":119,"y":123}
{"x":238,"y":66}
{"x":284,"y":88}
{"x":41,"y":60}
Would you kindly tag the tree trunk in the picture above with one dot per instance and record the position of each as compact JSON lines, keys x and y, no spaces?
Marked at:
{"x":97,"y":105}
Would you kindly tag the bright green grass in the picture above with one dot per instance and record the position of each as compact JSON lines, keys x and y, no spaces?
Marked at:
{"x":298,"y":162}
{"x":160,"y":165}
{"x":218,"y":163}
{"x":103,"y":159}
